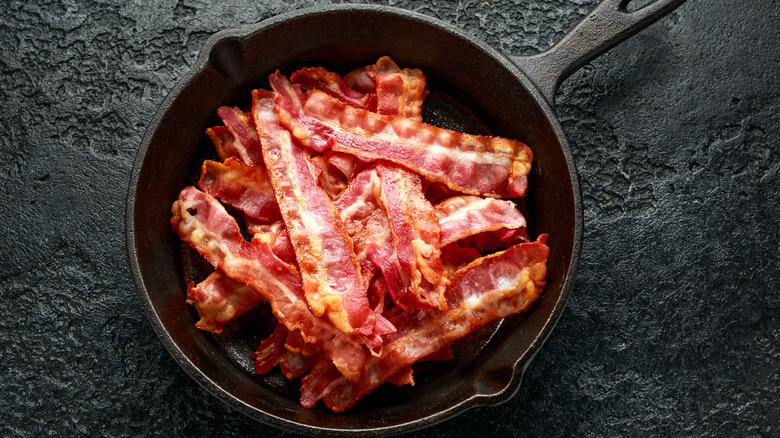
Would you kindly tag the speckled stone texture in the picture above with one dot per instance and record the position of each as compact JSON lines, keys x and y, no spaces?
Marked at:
{"x":672,"y":327}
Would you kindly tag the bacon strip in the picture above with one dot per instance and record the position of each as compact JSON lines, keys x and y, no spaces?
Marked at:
{"x":477,"y":165}
{"x":463,"y":216}
{"x":201,"y":221}
{"x":416,"y":245}
{"x":399,"y":92}
{"x":349,"y":165}
{"x":317,"y":78}
{"x":270,"y":350}
{"x":220,"y":300}
{"x":375,"y":232}
{"x":454,"y":256}
{"x":293,"y":364}
{"x":244,"y":187}
{"x":359,"y":200}
{"x":491,"y":288}
{"x":329,"y":177}
{"x":329,"y":267}
{"x":237,"y":138}
{"x":360,"y":80}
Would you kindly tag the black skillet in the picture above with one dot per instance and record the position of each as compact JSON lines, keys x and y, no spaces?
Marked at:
{"x":511,"y":96}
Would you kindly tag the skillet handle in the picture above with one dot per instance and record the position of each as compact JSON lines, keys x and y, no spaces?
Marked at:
{"x":607,"y":25}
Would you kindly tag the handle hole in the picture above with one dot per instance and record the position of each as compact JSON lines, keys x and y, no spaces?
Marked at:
{"x":635,"y":5}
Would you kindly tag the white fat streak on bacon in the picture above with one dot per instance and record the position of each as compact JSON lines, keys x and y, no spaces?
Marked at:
{"x":220,"y":300}
{"x":488,"y":289}
{"x":463,"y":216}
{"x":237,"y":138}
{"x":329,"y":267}
{"x":244,"y":187}
{"x":415,"y":233}
{"x":478,"y":165}
{"x":201,"y":221}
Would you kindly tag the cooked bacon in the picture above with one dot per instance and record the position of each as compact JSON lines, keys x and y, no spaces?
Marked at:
{"x":275,"y":235}
{"x":477,"y":165}
{"x":491,"y":288}
{"x":491,"y":241}
{"x":404,"y":376}
{"x":463,"y":216}
{"x":443,"y":354}
{"x":220,"y":300}
{"x":330,"y":178}
{"x":295,"y":364}
{"x":360,"y":80}
{"x":416,"y":245}
{"x":376,"y":231}
{"x":201,"y":221}
{"x":348,"y":164}
{"x":314,"y":384}
{"x":264,"y":231}
{"x":296,"y":343}
{"x":317,"y":78}
{"x":329,"y":267}
{"x":399,"y":92}
{"x":359,"y":200}
{"x":454,"y":256}
{"x":437,"y":192}
{"x":237,"y":138}
{"x":244,"y":187}
{"x":271,"y":350}
{"x":377,"y":290}
{"x":283,"y":248}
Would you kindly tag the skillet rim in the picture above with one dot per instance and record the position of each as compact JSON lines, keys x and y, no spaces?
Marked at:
{"x":477,"y":399}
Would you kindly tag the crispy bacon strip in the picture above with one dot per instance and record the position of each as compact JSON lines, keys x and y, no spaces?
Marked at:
{"x":375,"y":232}
{"x":244,"y":187}
{"x":416,"y":245}
{"x":329,"y":177}
{"x":329,"y":267}
{"x":220,"y":300}
{"x":491,"y":241}
{"x":348,"y":164}
{"x":237,"y":138}
{"x":477,"y":165}
{"x":317,"y":78}
{"x":490,"y":288}
{"x":454,"y":256}
{"x":360,"y":80}
{"x":359,"y":200}
{"x":463,"y":216}
{"x":399,"y":91}
{"x":293,"y":364}
{"x":271,"y":350}
{"x":201,"y":221}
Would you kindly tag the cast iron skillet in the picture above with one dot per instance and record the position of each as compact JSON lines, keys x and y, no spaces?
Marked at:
{"x":511,"y":95}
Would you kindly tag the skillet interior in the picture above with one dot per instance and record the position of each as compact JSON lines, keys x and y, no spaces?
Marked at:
{"x":235,"y":62}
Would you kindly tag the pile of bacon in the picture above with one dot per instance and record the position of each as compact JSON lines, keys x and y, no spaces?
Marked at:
{"x":378,"y":240}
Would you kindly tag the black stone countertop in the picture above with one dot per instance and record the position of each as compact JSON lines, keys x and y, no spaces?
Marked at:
{"x":672,"y":327}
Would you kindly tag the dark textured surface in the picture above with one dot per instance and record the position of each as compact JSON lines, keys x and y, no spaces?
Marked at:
{"x":672,"y":327}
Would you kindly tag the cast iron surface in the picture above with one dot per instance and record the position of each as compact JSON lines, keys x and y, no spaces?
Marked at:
{"x":672,"y":327}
